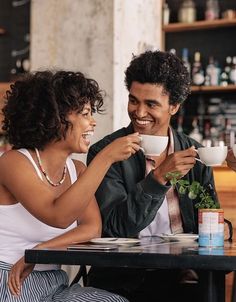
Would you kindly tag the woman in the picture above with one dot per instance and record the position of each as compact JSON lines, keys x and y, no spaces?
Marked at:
{"x":47,"y":117}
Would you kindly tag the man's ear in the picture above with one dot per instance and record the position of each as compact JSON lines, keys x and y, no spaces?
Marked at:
{"x":174,"y":108}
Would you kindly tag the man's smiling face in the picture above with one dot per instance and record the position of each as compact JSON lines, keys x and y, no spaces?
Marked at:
{"x":149,"y":109}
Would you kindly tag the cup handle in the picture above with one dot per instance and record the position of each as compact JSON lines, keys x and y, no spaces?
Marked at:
{"x":198,"y":159}
{"x":140,"y":148}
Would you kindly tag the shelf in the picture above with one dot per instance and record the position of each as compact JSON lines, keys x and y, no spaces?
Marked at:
{"x":198,"y":25}
{"x":199,"y":89}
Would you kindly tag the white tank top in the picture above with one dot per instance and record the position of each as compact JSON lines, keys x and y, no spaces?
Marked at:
{"x":19,"y":230}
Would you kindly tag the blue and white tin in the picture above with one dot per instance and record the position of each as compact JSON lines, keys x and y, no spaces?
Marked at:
{"x":211,"y":227}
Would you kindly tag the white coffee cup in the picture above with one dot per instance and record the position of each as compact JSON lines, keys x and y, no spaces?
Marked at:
{"x":213,"y":156}
{"x":153,"y":145}
{"x":234,"y":150}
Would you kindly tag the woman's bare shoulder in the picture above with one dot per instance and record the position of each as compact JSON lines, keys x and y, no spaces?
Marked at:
{"x":79,"y":166}
{"x":12,"y":160}
{"x":10,"y":156}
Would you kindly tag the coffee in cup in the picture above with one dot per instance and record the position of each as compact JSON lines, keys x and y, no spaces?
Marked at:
{"x":153,"y":145}
{"x":212,"y":156}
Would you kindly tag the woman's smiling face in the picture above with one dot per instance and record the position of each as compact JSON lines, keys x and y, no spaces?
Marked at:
{"x":149,"y":109}
{"x":82,"y":128}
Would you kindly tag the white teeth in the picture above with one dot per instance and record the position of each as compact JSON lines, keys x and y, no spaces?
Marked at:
{"x":88,"y":133}
{"x":141,"y":122}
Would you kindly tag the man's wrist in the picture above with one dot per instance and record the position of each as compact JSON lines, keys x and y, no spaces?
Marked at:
{"x":230,"y":161}
{"x":159,"y":177}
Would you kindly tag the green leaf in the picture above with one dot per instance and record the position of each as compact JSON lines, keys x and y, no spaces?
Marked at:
{"x":183,"y":182}
{"x":182,"y":190}
{"x":192,"y":195}
{"x":193,"y":190}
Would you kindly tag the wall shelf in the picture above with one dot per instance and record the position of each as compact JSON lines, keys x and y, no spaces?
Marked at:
{"x":199,"y":25}
{"x":199,"y":89}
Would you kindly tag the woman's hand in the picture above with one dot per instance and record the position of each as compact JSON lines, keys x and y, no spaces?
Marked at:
{"x":19,"y":271}
{"x":122,"y":148}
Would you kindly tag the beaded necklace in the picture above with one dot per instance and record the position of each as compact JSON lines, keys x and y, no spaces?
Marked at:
{"x":45,"y":174}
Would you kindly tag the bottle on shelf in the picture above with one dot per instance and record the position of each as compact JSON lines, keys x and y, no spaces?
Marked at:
{"x":212,"y":11}
{"x":213,"y":72}
{"x":21,"y":65}
{"x":228,"y":64}
{"x":197,"y":70}
{"x":173,"y":51}
{"x":201,"y":110}
{"x":185,"y":59}
{"x":165,"y":14}
{"x":229,"y":134}
{"x":195,"y":133}
{"x":225,"y":74}
{"x":207,"y":140}
{"x":187,"y":12}
{"x":232,"y":74}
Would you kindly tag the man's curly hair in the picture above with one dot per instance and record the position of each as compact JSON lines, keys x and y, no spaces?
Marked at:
{"x":37,"y":106}
{"x":161,"y":68}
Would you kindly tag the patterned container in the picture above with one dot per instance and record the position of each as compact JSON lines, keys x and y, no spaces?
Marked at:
{"x":211,"y":227}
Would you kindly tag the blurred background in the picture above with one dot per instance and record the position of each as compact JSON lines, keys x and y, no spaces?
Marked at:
{"x":97,"y":37}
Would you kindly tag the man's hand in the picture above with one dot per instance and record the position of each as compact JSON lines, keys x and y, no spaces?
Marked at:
{"x":180,"y":161}
{"x":19,"y":271}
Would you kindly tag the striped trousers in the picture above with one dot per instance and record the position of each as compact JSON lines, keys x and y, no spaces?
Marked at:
{"x":52,"y":286}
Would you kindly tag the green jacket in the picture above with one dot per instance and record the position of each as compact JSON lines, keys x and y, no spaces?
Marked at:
{"x":129,"y":201}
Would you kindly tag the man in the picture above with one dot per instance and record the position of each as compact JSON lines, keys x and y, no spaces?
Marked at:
{"x":135,"y":197}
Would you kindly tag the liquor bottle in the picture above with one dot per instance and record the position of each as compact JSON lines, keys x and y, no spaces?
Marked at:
{"x":228,"y":65}
{"x":197,"y":71}
{"x":195,"y":133}
{"x":207,"y":141}
{"x":173,"y":51}
{"x":213,"y":72}
{"x":233,"y":71}
{"x":229,"y":134}
{"x":165,"y":14}
{"x":185,"y":59}
{"x":212,"y":10}
{"x":225,"y":74}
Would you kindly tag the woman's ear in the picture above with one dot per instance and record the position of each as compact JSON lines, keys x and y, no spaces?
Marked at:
{"x":174,"y":109}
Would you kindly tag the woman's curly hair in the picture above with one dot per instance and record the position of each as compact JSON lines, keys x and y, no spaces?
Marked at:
{"x":161,"y":68}
{"x":38,"y":104}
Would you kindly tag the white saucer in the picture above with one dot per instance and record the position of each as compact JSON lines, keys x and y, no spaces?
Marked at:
{"x":114,"y":240}
{"x":179,"y":237}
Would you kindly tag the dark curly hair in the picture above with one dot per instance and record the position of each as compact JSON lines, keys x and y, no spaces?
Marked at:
{"x":163,"y":68}
{"x":37,"y":106}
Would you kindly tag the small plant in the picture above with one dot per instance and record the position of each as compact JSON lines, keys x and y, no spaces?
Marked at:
{"x":193,"y":190}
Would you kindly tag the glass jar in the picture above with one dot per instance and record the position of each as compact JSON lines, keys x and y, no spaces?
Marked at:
{"x":187,"y":12}
{"x":212,"y":10}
